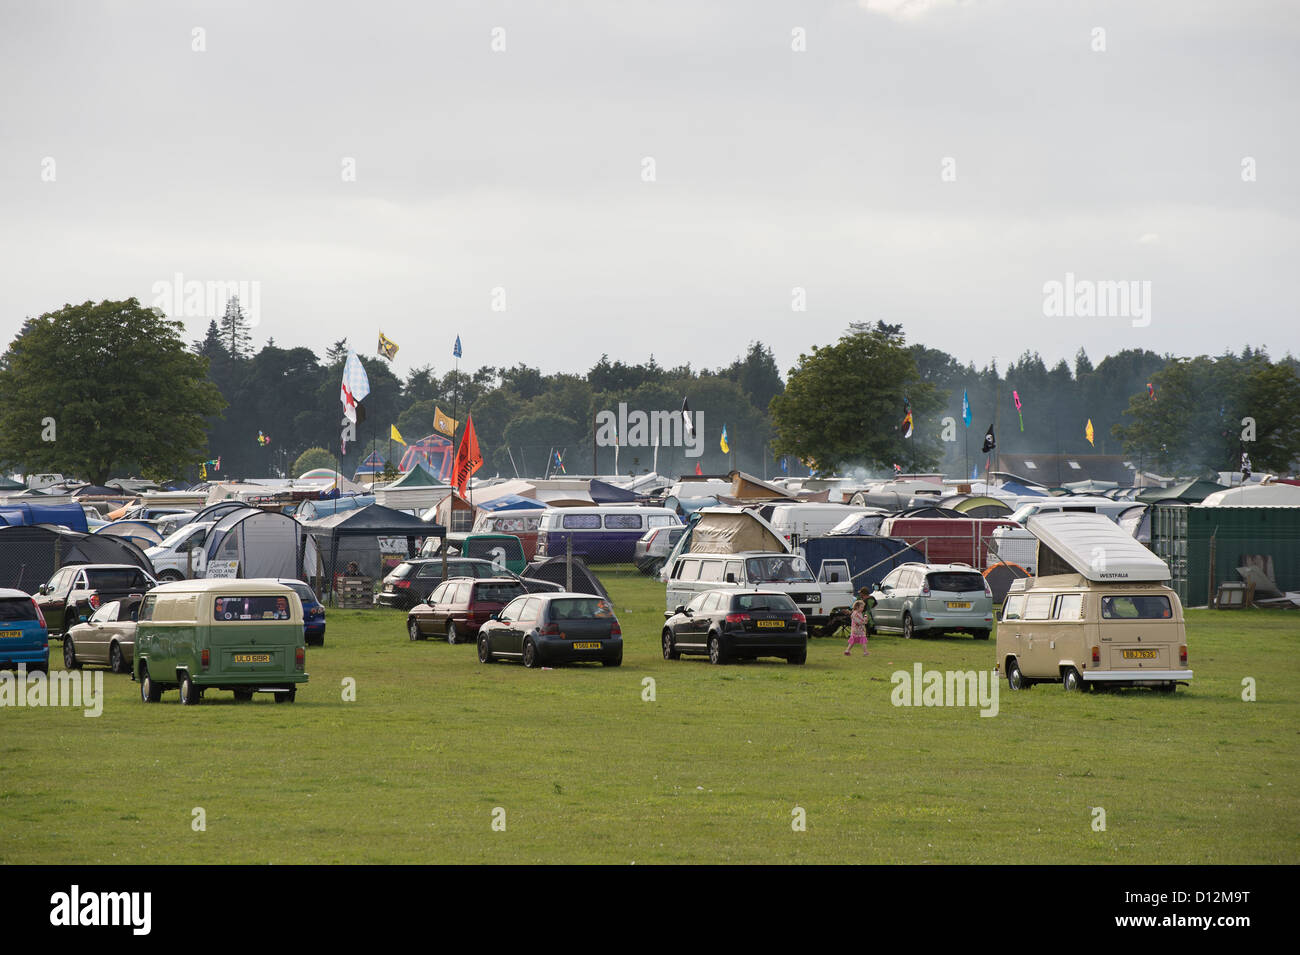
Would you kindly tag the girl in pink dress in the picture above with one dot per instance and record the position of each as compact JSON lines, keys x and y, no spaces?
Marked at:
{"x":858,"y":628}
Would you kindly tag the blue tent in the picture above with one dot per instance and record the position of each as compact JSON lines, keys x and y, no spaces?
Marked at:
{"x":64,"y":514}
{"x":602,"y":492}
{"x":371,"y":466}
{"x":511,"y":502}
{"x":1021,"y":490}
{"x":870,"y":558}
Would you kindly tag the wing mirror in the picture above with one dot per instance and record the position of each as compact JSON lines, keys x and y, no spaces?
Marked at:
{"x":731,"y":578}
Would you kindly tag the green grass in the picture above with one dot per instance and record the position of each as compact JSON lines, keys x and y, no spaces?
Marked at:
{"x":709,"y":772}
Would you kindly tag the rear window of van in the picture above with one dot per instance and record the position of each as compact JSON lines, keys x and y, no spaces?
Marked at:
{"x":1145,"y":607}
{"x":259,"y":607}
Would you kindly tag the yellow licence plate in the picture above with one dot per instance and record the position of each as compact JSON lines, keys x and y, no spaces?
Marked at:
{"x":252,"y":658}
{"x":958,"y":604}
{"x":1141,"y":655}
{"x":771,"y":623}
{"x":15,"y":634}
{"x":586,"y":646}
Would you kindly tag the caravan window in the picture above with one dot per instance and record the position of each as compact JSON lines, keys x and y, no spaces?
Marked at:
{"x":1069,"y":607}
{"x":623,"y":522}
{"x":581,"y":522}
{"x":711,"y":570}
{"x":689,"y":570}
{"x":1152,"y":607}
{"x":732,"y":570}
{"x":1038,"y":607}
{"x":1014,"y":608}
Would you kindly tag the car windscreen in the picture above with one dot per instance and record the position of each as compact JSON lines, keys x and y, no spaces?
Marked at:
{"x":17,"y":608}
{"x":952,"y":582}
{"x":497,"y":593}
{"x":122,"y":579}
{"x":580,"y":608}
{"x":259,"y":607}
{"x":778,"y":569}
{"x":1145,"y":607}
{"x":764,"y":602}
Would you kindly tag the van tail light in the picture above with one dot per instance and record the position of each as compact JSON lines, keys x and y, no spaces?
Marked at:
{"x":737,"y":618}
{"x":205,"y":657}
{"x":1182,"y":654}
{"x":1096,"y":654}
{"x":550,"y":630}
{"x":40,"y":617}
{"x":300,"y":658}
{"x":94,"y":600}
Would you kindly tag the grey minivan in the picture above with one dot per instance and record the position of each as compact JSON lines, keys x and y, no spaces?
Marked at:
{"x":935,"y":598}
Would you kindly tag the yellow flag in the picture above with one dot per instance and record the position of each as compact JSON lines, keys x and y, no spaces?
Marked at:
{"x":395,"y":434}
{"x":1088,"y":433}
{"x":442,"y":422}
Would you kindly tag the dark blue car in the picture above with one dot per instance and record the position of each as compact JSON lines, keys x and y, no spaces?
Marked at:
{"x":23,"y":637}
{"x":313,"y":612}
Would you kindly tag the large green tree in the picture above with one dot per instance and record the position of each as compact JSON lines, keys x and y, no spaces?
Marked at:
{"x":94,"y":389}
{"x":843,"y":404}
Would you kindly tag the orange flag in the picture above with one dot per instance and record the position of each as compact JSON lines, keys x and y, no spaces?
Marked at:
{"x":468,"y":457}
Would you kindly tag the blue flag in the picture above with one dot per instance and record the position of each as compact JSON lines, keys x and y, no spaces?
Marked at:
{"x":456,"y":351}
{"x":974,"y":473}
{"x":965,"y":407}
{"x":785,"y":466}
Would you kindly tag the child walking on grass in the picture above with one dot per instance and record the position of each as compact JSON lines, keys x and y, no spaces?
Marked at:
{"x":858,"y":628}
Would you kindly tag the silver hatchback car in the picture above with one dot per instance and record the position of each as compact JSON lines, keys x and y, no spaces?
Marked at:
{"x":934,"y":598}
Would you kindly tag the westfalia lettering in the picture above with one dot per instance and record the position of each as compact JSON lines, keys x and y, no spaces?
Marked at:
{"x":103,"y":909}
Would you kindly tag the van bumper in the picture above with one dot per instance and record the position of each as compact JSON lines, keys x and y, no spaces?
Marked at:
{"x":1135,"y":676}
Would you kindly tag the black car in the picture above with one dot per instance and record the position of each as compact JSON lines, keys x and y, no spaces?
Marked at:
{"x":539,"y":629}
{"x":737,"y":624}
{"x":412,"y":581}
{"x":77,"y":590}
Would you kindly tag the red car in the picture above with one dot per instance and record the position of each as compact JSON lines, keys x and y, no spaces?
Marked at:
{"x":458,"y":607}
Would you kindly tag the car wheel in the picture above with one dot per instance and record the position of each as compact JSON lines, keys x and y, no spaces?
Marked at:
{"x":150,"y":692}
{"x":189,"y":692}
{"x":170,"y":576}
{"x":1015,"y":679}
{"x":116,"y":662}
{"x":670,"y":646}
{"x":243,"y":696}
{"x":1071,"y":680}
{"x":530,"y":653}
{"x":413,"y":628}
{"x":908,"y":631}
{"x":982,"y":634}
{"x":615,"y":662}
{"x":717,"y":655}
{"x":800,"y":658}
{"x":286,"y":696}
{"x":452,"y":636}
{"x":70,"y":655}
{"x":484,"y":650}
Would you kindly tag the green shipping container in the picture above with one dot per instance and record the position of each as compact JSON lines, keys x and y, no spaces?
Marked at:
{"x":1184,"y":537}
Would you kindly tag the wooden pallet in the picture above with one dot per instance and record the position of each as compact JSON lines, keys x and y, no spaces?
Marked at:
{"x":353,"y":593}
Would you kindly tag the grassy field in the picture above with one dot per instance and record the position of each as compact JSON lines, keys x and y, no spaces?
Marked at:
{"x":586,"y":771}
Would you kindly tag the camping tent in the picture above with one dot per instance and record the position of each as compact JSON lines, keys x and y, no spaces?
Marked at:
{"x":604,"y":493}
{"x":371,"y":467}
{"x":1000,"y":577}
{"x":1189,"y":492}
{"x":865,"y":524}
{"x":982,"y":507}
{"x":254,"y":543}
{"x":65,"y":514}
{"x":417,"y":489}
{"x":30,"y":555}
{"x":310,"y":510}
{"x":870,"y":557}
{"x":434,"y":452}
{"x":214,"y":512}
{"x":365,"y":535}
{"x":141,"y":533}
{"x":1255,"y":495}
{"x":554,"y":570}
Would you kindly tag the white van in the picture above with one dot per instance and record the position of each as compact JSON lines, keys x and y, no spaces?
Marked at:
{"x":802,"y":521}
{"x":171,"y":557}
{"x":693,"y":573}
{"x":1016,"y":545}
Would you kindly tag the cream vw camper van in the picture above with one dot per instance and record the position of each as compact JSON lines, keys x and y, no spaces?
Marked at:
{"x":1098,"y":614}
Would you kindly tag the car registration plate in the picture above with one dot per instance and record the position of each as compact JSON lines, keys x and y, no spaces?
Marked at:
{"x":1141,"y":655}
{"x":958,"y":604}
{"x":772,"y":623}
{"x":14,"y":634}
{"x":252,"y":658}
{"x":586,"y":646}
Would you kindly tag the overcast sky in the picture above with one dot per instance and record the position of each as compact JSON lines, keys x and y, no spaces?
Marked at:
{"x":126,"y":157}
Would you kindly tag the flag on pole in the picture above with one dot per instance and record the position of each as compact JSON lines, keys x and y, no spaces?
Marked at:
{"x":725,"y":448}
{"x":395,"y":435}
{"x":906,"y":427}
{"x":387,"y":347}
{"x":443,"y":422}
{"x":263,"y":439}
{"x":468,"y":458}
{"x":990,"y":442}
{"x":559,"y":463}
{"x":456,"y":349}
{"x":686,"y":418}
{"x":1151,"y":391}
{"x":897,"y":469}
{"x":356,"y":385}
{"x":785,"y":465}
{"x":965,"y":407}
{"x":1016,"y":395}
{"x":1088,"y":433}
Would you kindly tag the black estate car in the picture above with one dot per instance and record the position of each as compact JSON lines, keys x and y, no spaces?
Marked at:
{"x":732,"y":624}
{"x":539,"y":629}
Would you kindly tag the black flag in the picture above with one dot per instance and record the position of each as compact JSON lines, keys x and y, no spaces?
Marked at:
{"x":989,"y":441}
{"x":686,"y":418}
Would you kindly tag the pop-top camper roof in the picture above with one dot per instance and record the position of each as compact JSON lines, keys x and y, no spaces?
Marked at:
{"x":1092,"y":545}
